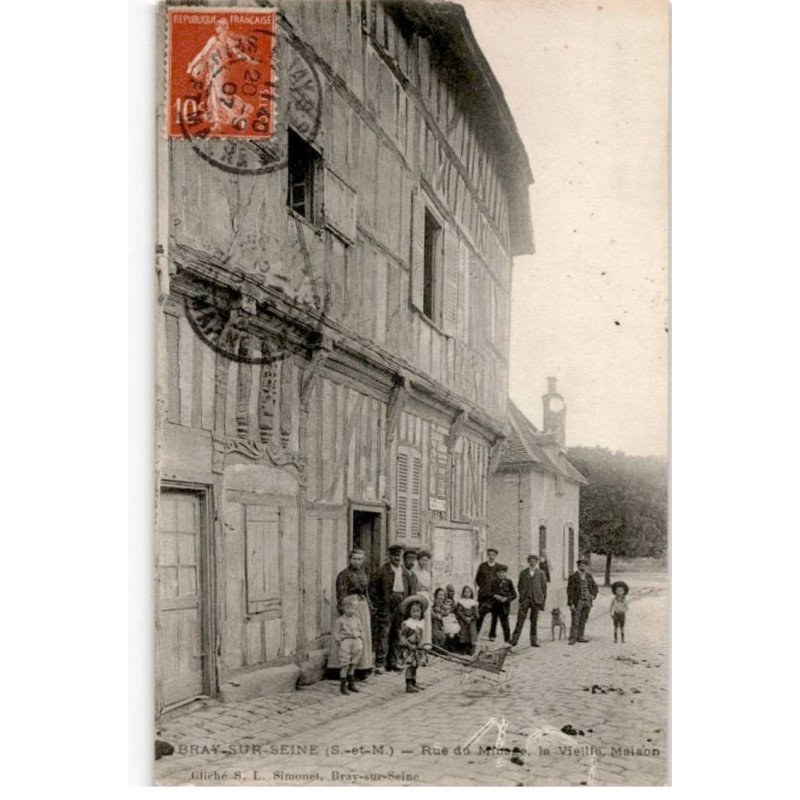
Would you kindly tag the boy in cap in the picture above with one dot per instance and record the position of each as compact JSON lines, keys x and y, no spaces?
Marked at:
{"x":349,"y":635}
{"x":619,"y":606}
{"x":503,"y":593}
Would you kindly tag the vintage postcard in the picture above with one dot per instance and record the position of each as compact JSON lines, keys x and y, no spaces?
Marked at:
{"x":413,"y":342}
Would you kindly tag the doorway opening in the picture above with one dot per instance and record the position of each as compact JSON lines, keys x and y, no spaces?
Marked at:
{"x":367,"y":535}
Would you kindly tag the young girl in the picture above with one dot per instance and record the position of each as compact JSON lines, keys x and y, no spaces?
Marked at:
{"x":411,"y":636}
{"x":437,"y":613}
{"x":467,"y":614}
{"x":619,"y":605}
{"x":451,"y":629}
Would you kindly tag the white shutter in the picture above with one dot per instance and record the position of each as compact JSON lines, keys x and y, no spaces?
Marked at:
{"x":450,"y":283}
{"x":402,"y":493}
{"x":339,"y":206}
{"x":415,"y":494}
{"x":262,"y":543}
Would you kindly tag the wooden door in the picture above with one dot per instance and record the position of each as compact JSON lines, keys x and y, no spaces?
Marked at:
{"x":180,"y":600}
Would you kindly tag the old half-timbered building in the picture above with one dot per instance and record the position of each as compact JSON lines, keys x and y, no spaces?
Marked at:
{"x":334,"y":337}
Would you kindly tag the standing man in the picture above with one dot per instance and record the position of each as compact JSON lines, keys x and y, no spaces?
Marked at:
{"x":532,"y":589}
{"x":484,"y":580}
{"x":581,"y":592}
{"x":392,"y":583}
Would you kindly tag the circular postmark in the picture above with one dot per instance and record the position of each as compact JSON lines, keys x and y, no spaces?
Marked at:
{"x":254,"y":147}
{"x":222,"y":322}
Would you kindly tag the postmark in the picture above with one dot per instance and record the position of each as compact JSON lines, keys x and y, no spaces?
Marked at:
{"x":224,"y":89}
{"x":222,"y":321}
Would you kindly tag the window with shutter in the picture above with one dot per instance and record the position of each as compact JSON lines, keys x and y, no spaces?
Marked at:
{"x":304,"y":164}
{"x":402,"y":493}
{"x":409,"y":492}
{"x":431,"y":268}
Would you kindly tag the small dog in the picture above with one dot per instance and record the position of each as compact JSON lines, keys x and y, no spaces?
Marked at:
{"x":559,"y":623}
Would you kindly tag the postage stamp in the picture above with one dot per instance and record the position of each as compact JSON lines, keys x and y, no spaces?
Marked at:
{"x":221,"y":74}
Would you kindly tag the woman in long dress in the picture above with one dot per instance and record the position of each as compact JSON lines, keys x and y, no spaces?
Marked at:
{"x":352,"y":582}
{"x":425,"y":588}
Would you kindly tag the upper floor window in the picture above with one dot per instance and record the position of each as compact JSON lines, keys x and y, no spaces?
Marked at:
{"x":432,"y":267}
{"x":303,"y":169}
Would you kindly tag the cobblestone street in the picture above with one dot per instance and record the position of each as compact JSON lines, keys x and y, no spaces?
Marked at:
{"x":615,"y":697}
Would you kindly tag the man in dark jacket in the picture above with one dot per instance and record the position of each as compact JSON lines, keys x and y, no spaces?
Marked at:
{"x":484,"y":580}
{"x":532,"y":588}
{"x":391,"y":584}
{"x":581,"y":592}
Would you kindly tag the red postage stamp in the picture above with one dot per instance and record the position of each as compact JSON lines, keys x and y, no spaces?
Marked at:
{"x":221,"y":76}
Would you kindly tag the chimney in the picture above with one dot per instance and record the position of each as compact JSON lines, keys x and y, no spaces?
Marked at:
{"x":555,"y":410}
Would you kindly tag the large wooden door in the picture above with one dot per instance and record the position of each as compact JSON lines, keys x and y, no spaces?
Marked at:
{"x":180,"y":601}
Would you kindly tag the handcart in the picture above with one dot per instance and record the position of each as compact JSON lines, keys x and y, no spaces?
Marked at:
{"x":488,"y":660}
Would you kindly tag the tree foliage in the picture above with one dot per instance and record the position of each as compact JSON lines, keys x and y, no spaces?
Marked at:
{"x":623,"y":510}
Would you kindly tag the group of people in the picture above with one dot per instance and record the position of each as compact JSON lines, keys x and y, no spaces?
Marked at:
{"x":384,"y":622}
{"x":389,"y":623}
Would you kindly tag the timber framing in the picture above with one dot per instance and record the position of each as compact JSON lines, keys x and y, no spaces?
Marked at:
{"x":304,"y":331}
{"x":369,"y":117}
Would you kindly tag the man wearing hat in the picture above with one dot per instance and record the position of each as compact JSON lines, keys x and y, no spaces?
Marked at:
{"x":484,"y":580}
{"x":532,"y":588}
{"x":391,"y":584}
{"x":581,"y":592}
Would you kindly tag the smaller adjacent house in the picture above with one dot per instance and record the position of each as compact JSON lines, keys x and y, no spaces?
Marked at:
{"x":534,"y":496}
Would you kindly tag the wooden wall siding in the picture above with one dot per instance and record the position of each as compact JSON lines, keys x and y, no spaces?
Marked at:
{"x":469,"y":475}
{"x":454,"y":557}
{"x":345,"y":431}
{"x":260,"y":401}
{"x":361,"y":63}
{"x":325,"y":556}
{"x":191,"y":369}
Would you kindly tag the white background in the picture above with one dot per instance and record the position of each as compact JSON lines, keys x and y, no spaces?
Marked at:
{"x":78,"y":320}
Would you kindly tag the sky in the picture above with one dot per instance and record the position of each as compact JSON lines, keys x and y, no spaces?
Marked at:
{"x":588,"y":85}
